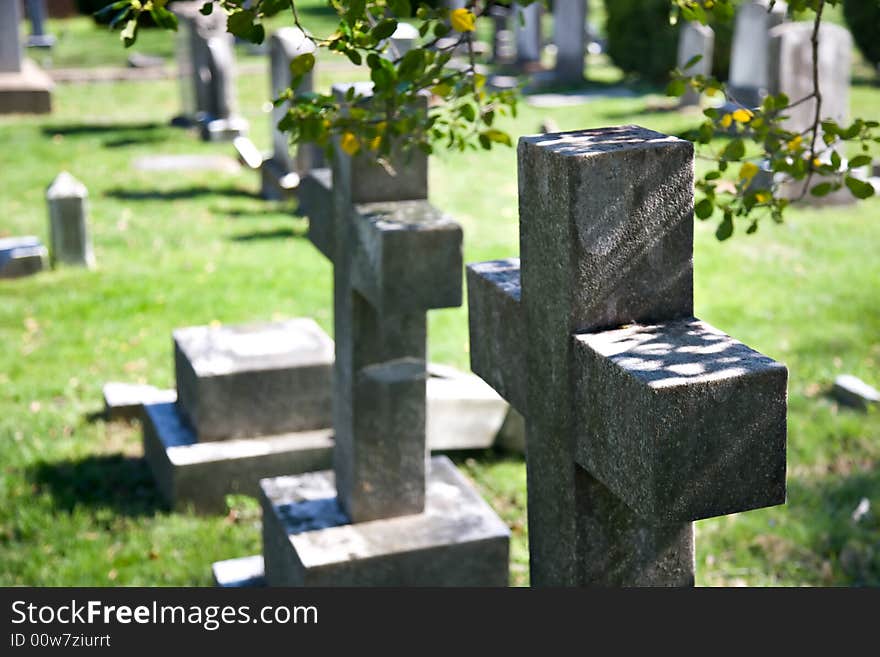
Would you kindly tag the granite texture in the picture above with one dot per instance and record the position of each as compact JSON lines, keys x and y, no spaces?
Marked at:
{"x":255,"y":379}
{"x":308,"y":541}
{"x":408,"y":257}
{"x":315,"y":196}
{"x":681,"y":421}
{"x":497,"y":328}
{"x":606,"y":221}
{"x":192,"y":474}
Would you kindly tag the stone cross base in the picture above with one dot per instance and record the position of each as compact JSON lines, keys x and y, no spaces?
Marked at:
{"x":200,"y":475}
{"x":26,"y":92}
{"x":216,"y":130}
{"x":309,"y":541}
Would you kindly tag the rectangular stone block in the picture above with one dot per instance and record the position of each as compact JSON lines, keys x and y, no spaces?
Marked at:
{"x":381,"y":471}
{"x":402,"y":176}
{"x":315,"y":196}
{"x":126,"y":401}
{"x":190,"y":474}
{"x":462,"y":412}
{"x":496,"y":328}
{"x":618,"y":547}
{"x":21,"y":256}
{"x":626,"y":194}
{"x":255,"y":379}
{"x":409,"y":257}
{"x":681,"y":421}
{"x":308,"y":541}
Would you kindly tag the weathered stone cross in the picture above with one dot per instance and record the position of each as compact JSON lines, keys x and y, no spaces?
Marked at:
{"x":639,"y":417}
{"x":397,"y":517}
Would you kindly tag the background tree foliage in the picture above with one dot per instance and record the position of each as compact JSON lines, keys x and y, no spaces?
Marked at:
{"x":462,"y":110}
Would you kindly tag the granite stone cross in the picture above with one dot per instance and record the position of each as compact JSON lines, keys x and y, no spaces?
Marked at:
{"x":397,"y":517}
{"x":640,"y":418}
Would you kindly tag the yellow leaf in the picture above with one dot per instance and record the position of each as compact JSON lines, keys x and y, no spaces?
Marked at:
{"x":742,"y":115}
{"x":442,"y":89}
{"x":795,"y":143}
{"x":762,"y":197}
{"x":462,"y":20}
{"x":726,"y":120}
{"x":350,"y":143}
{"x":748,"y":171}
{"x":375,"y":142}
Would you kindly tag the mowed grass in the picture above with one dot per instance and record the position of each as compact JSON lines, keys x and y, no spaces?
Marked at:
{"x":77,"y":506}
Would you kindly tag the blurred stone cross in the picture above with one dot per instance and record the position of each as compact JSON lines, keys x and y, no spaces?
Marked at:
{"x":640,"y":418}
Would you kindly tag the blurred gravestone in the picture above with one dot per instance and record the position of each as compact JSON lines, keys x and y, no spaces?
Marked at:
{"x":36,"y":12}
{"x":527,"y":22}
{"x":71,"y":243}
{"x":21,"y":256}
{"x":24,"y":88}
{"x":570,"y":38}
{"x":694,"y":40}
{"x":749,"y":77}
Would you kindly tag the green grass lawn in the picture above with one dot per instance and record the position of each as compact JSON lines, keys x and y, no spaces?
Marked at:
{"x":77,"y":506}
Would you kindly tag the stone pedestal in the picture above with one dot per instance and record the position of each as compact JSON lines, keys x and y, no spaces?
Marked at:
{"x":24,"y":87}
{"x":253,"y":401}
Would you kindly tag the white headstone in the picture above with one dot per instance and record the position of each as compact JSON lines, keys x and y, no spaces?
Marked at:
{"x":749,"y":60}
{"x":570,"y":37}
{"x":68,"y":222}
{"x":10,"y":40}
{"x":528,"y":32}
{"x":695,"y":39}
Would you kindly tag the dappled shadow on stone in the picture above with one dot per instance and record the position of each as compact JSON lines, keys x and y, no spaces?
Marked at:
{"x":280,"y":233}
{"x":87,"y":129}
{"x":178,"y":194}
{"x":121,"y":483}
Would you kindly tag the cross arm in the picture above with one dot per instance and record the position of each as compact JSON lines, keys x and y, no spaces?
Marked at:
{"x":680,"y":420}
{"x":407,"y":256}
{"x":497,"y":330}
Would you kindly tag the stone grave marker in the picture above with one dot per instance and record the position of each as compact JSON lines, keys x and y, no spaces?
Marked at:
{"x":21,"y":256}
{"x":527,"y":22}
{"x":639,"y":418}
{"x":252,"y":401}
{"x":570,"y":38}
{"x":694,"y":39}
{"x":282,"y":171}
{"x":791,"y":73}
{"x":386,"y":515}
{"x":206,"y":65}
{"x":36,"y":11}
{"x":503,"y":39}
{"x":749,"y":76}
{"x":71,"y":243}
{"x":24,"y":87}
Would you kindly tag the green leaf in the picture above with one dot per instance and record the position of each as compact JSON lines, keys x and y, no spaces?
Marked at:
{"x":384,"y":29}
{"x":822,"y":189}
{"x":693,"y":60}
{"x":129,"y":32}
{"x":302,"y":64}
{"x":859,"y":188}
{"x":676,"y":87}
{"x":860,"y":161}
{"x":752,"y":227}
{"x":400,"y":8}
{"x":734,"y":150}
{"x":164,"y":18}
{"x":704,"y":209}
{"x":207,"y":8}
{"x":354,"y":57}
{"x":467,"y":112}
{"x":355,"y":11}
{"x":725,"y":228}
{"x":497,"y":136}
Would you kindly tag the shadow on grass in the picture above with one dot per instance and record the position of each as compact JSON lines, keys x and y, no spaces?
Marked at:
{"x":842,"y":527}
{"x":121,"y":483}
{"x":178,"y":194}
{"x":280,"y":233}
{"x":87,"y":129}
{"x":136,"y":140}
